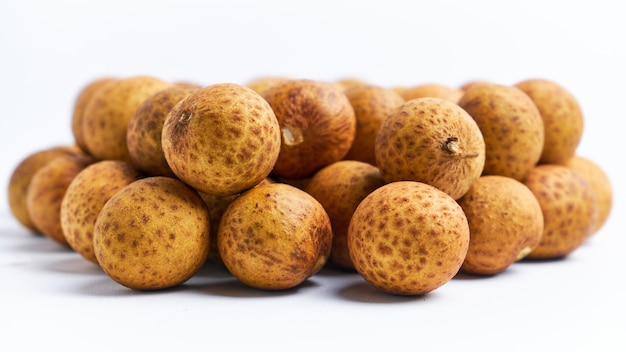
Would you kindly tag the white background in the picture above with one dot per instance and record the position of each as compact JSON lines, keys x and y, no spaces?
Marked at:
{"x":51,"y":299}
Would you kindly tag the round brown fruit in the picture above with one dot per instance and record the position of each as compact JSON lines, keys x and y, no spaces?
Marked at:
{"x":152,"y":234}
{"x":511,"y":126}
{"x":562,"y":119}
{"x":433,"y":141}
{"x":143,"y":136}
{"x":505,"y":221}
{"x":222,"y":139}
{"x":317,"y":124}
{"x":47,"y":189}
{"x":23,"y":174}
{"x":274,"y":237}
{"x":107,"y":114}
{"x":599,"y":181}
{"x":569,"y":207}
{"x":86,"y":195}
{"x":340,"y":187}
{"x":260,"y":84}
{"x":85,"y":94}
{"x":432,"y":90}
{"x":408,"y":238}
{"x":372,"y":105}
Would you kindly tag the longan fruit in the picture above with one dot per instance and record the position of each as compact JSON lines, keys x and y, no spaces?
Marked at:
{"x":408,"y":238}
{"x":222,"y":139}
{"x":432,"y":90}
{"x":562,"y":118}
{"x":152,"y":234}
{"x":274,"y":237}
{"x":505,"y":221}
{"x":340,"y":187}
{"x":434,"y":141}
{"x":511,"y":126}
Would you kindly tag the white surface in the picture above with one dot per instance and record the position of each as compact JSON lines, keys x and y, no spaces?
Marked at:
{"x":51,"y":299}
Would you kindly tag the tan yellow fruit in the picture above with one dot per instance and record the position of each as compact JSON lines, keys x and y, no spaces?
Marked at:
{"x":433,"y":141}
{"x":85,"y":94}
{"x":222,"y":139}
{"x":145,"y":128}
{"x":562,"y":118}
{"x":317,"y":124}
{"x":511,"y":126}
{"x":274,"y":237}
{"x":347,"y":83}
{"x":408,"y":238}
{"x":569,"y":207}
{"x":152,"y":234}
{"x":432,"y":90}
{"x":340,"y":187}
{"x":505,"y":221}
{"x":108,"y":112}
{"x":47,"y":189}
{"x":372,"y":105}
{"x":599,"y":181}
{"x":22,"y":175}
{"x":261,"y":84}
{"x":86,"y":195}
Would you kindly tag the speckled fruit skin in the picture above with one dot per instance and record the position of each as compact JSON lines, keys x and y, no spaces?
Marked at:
{"x":85,"y":94}
{"x":511,"y":126}
{"x":433,"y":141}
{"x":432,"y":90}
{"x":562,"y":118}
{"x":569,"y":207}
{"x":222,"y":139}
{"x":274,"y":237}
{"x":408,"y":238}
{"x":108,"y":112}
{"x":505,"y":221}
{"x":85,"y":197}
{"x":23,"y":174}
{"x":317,"y":124}
{"x":145,"y":128}
{"x":599,"y":181}
{"x":47,"y":189}
{"x":371,"y":104}
{"x":340,"y":187}
{"x":152,"y":234}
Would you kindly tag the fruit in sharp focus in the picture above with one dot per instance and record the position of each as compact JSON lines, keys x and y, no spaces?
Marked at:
{"x":433,"y":141}
{"x":562,"y":119}
{"x":22,"y":175}
{"x":108,"y":112}
{"x":371,"y":104}
{"x":85,"y":94}
{"x":340,"y":187}
{"x":505,"y":221}
{"x":600,"y":183}
{"x":146,"y":126}
{"x":86,"y":195}
{"x":511,"y":126}
{"x":222,"y":139}
{"x":152,"y":234}
{"x":317,"y":124}
{"x":408,"y":238}
{"x":47,"y":189}
{"x":569,"y":207}
{"x":274,"y":237}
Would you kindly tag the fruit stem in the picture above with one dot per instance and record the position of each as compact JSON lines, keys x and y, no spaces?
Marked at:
{"x":452,"y":146}
{"x":292,"y":135}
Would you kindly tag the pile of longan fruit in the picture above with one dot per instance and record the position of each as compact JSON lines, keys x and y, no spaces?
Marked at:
{"x":277,"y":178}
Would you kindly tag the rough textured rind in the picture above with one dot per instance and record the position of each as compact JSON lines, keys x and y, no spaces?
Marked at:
{"x":85,"y":197}
{"x":433,"y":141}
{"x":274,"y":237}
{"x":317,"y":125}
{"x":408,"y":238}
{"x":569,"y":207}
{"x":222,"y":139}
{"x":152,"y":234}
